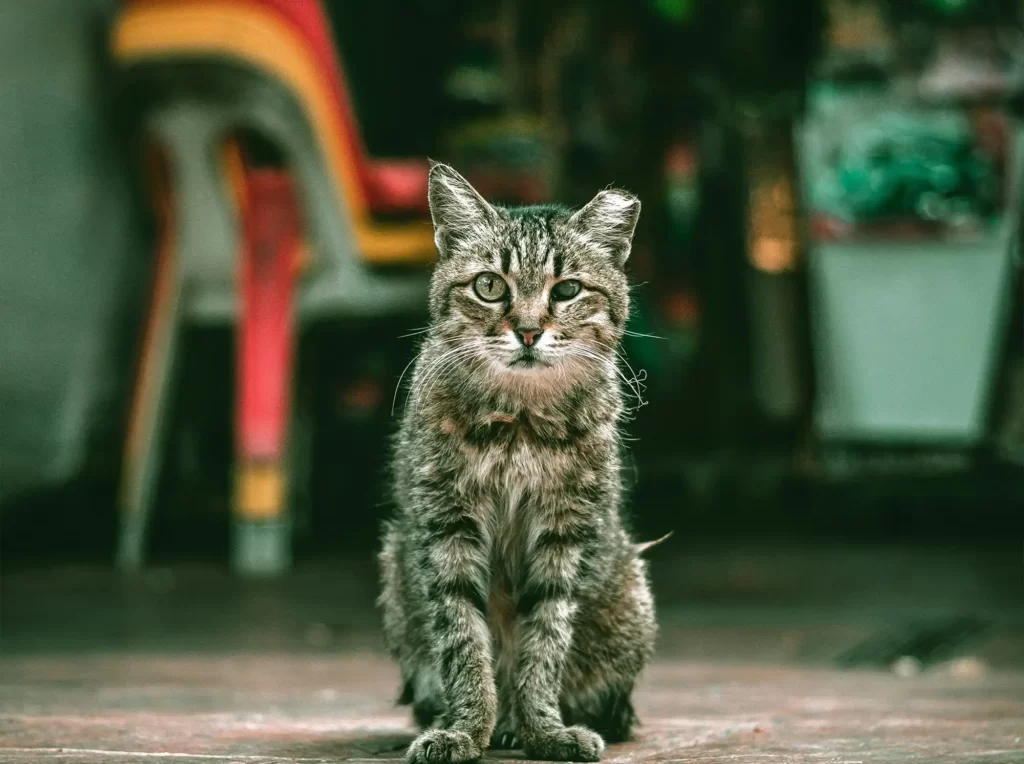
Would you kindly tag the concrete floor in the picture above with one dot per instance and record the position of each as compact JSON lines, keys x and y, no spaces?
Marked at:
{"x":187,"y":664}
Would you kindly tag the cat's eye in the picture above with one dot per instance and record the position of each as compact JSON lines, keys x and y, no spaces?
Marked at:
{"x":566,"y":290}
{"x":490,"y":287}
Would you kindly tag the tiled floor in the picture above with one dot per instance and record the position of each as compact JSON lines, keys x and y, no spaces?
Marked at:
{"x":191,"y":666}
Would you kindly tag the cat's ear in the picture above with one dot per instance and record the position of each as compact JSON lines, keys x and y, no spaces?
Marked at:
{"x":607,"y":223}
{"x":459,"y":213}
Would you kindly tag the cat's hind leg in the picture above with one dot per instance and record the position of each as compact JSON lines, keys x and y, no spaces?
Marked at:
{"x":424,"y":695}
{"x":613,"y":641}
{"x":504,"y":738}
{"x":501,"y":615}
{"x":506,"y":731}
{"x":403,"y":635}
{"x":609,"y":713}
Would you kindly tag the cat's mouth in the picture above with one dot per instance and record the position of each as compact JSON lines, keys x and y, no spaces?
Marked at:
{"x":527,"y":358}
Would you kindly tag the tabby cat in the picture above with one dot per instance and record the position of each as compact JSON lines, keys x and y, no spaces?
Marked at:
{"x":513,"y":599}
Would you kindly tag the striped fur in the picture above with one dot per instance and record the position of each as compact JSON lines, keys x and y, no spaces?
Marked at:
{"x":513,"y":599}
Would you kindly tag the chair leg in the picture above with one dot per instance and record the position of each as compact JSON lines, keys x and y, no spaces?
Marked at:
{"x":146,"y":428}
{"x":261,"y":544}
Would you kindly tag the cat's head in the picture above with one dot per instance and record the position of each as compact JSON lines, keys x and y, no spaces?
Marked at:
{"x":536,"y":291}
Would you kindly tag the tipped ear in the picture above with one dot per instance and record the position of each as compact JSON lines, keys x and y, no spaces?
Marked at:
{"x":608,"y":222}
{"x":458,"y":211}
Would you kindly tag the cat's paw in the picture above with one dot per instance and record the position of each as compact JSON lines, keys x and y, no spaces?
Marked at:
{"x":566,"y":744}
{"x":504,"y":740}
{"x":442,"y":747}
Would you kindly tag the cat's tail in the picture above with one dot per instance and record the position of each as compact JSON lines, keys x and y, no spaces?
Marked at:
{"x":643,"y":547}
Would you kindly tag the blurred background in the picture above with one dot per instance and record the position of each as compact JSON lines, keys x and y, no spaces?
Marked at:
{"x":827,"y":264}
{"x":214,"y":247}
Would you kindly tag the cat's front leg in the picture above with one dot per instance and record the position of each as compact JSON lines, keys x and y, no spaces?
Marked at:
{"x":454,"y":562}
{"x":546,"y":609}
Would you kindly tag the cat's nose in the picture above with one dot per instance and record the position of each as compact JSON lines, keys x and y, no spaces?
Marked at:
{"x":528,"y":336}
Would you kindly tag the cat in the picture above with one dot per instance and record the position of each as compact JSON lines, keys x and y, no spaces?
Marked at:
{"x":513,"y":599}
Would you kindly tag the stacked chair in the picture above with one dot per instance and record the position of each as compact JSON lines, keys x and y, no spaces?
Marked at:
{"x":321,"y":231}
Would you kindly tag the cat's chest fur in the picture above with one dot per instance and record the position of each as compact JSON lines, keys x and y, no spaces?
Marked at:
{"x":513,"y":479}
{"x":512,"y":471}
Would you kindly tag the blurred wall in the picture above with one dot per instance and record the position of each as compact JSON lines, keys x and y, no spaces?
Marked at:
{"x":70,"y":255}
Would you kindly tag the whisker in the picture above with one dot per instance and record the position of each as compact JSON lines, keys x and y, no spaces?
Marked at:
{"x":639,"y":380}
{"x":633,"y":384}
{"x":415,"y":358}
{"x":401,"y":376}
{"x":423,"y":375}
{"x":441,"y":370}
{"x":414,"y":332}
{"x":422,"y":384}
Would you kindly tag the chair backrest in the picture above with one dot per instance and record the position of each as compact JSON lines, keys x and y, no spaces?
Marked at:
{"x":307,"y":20}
